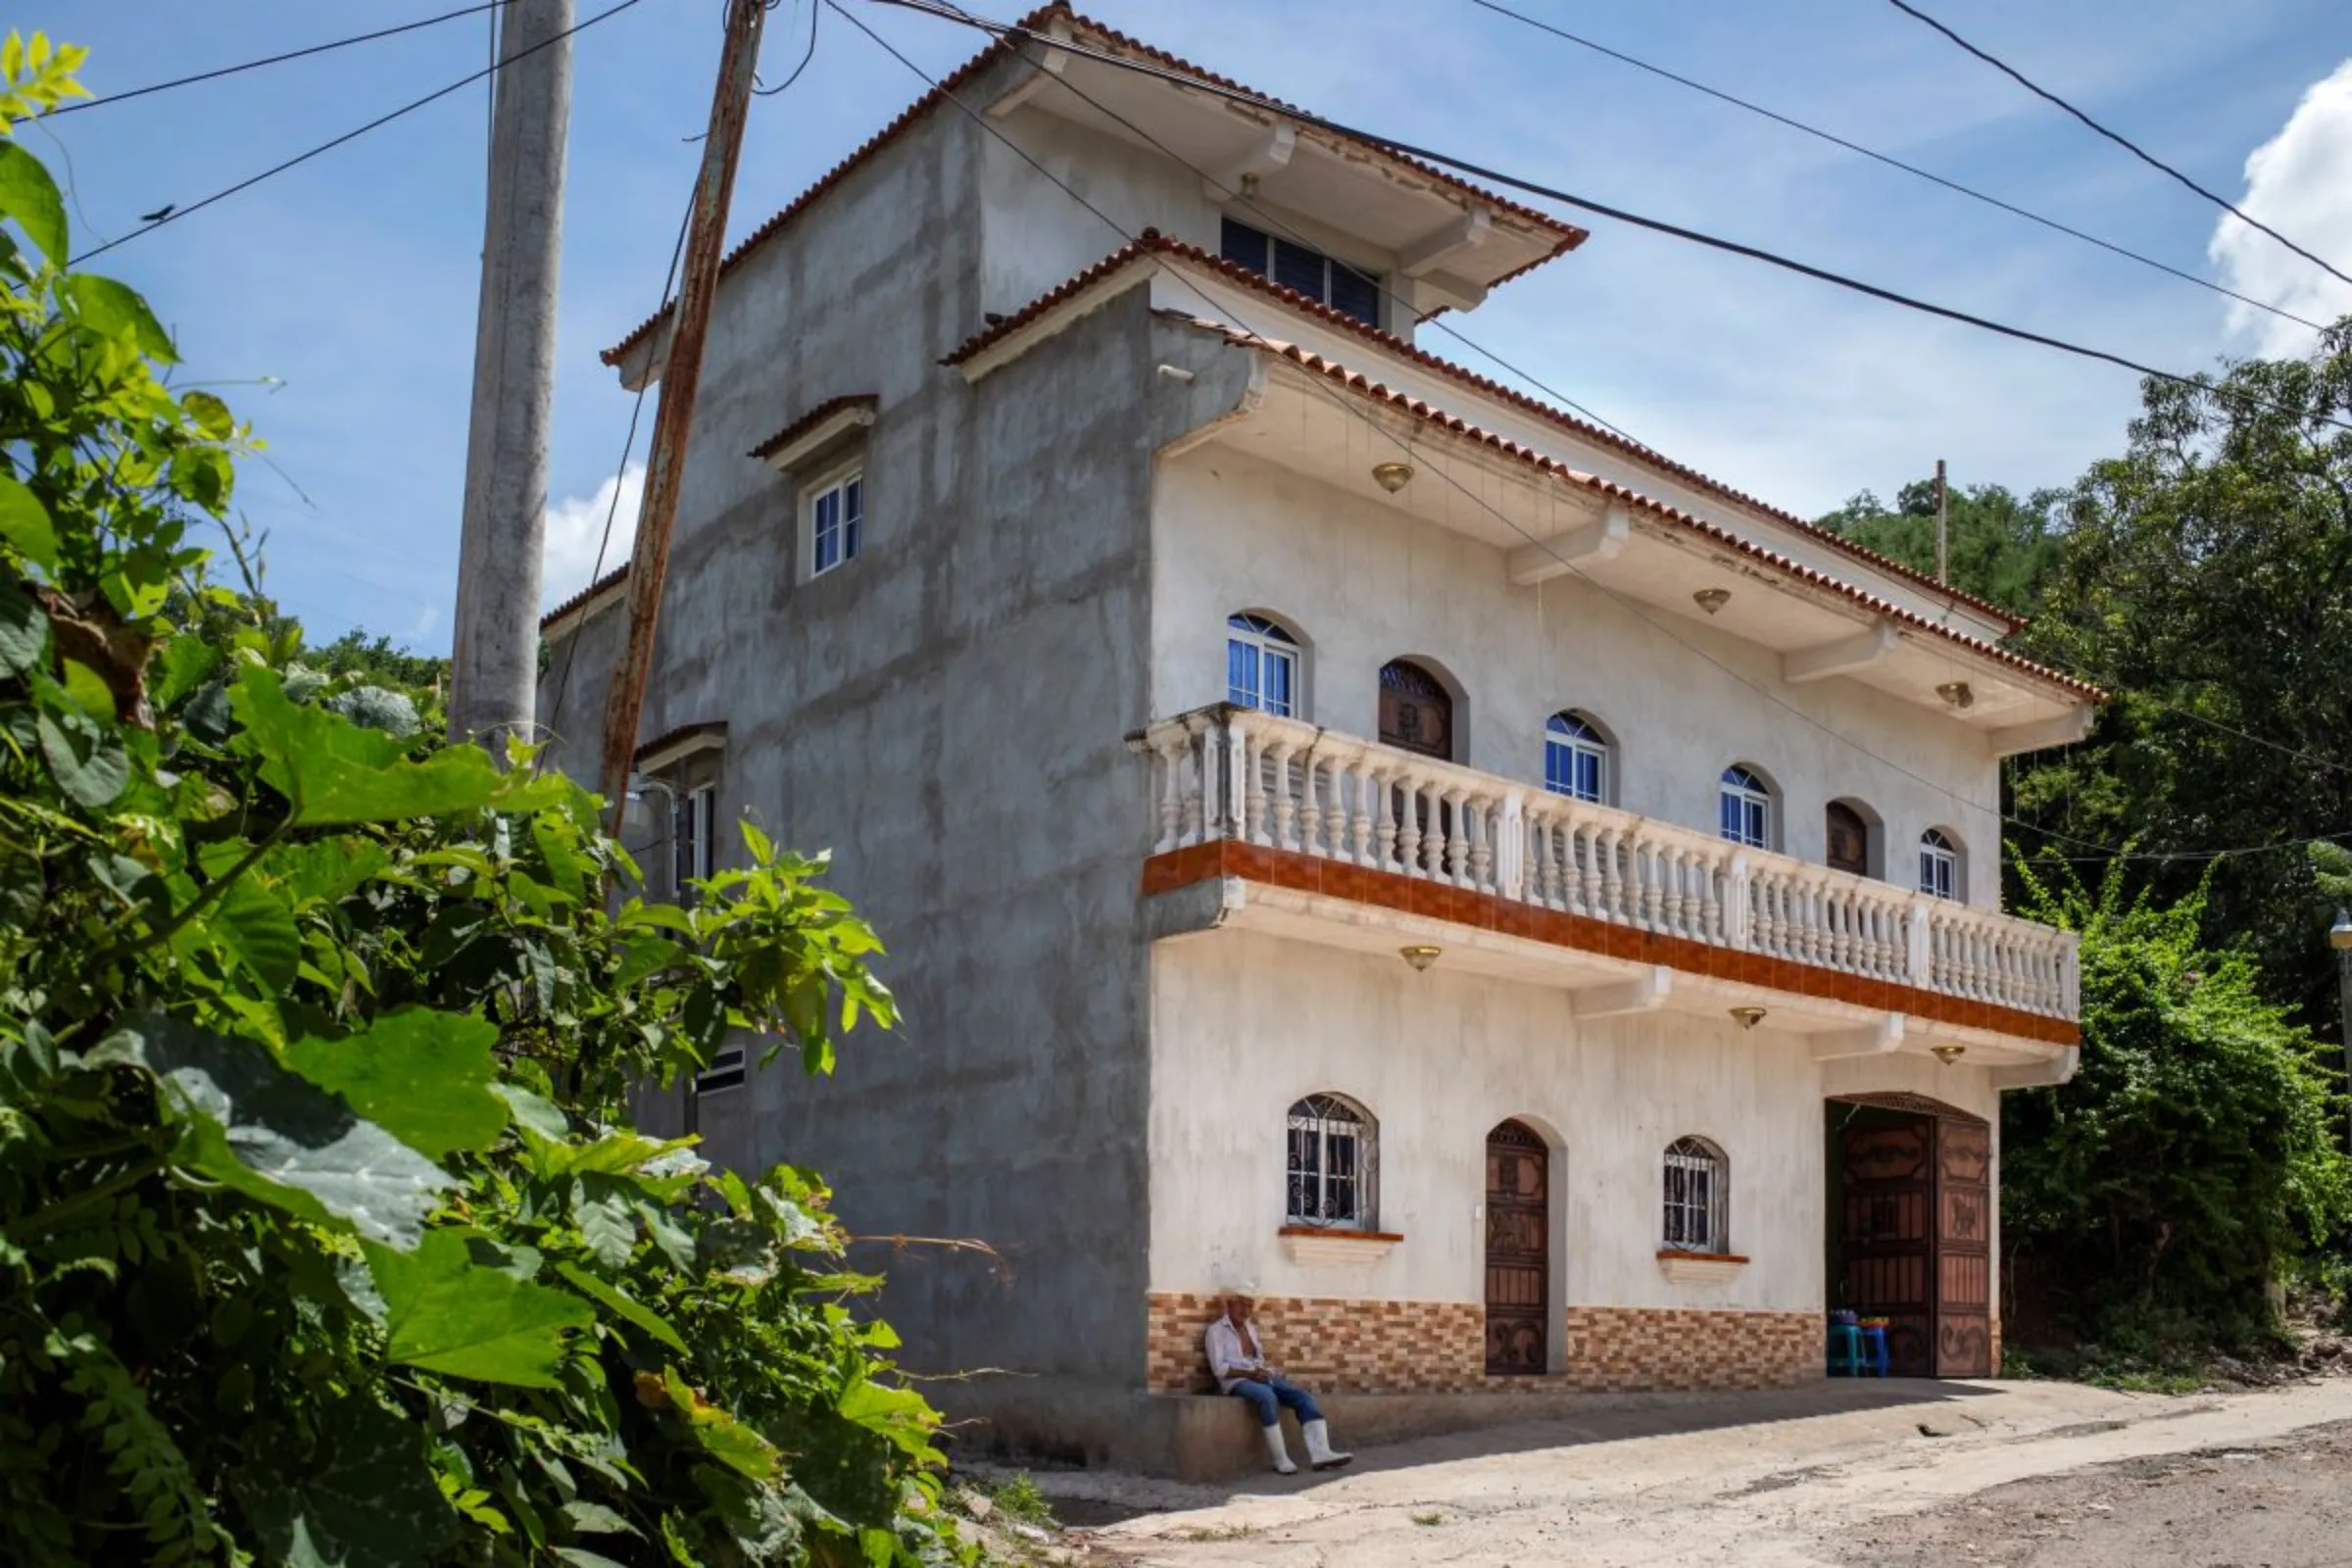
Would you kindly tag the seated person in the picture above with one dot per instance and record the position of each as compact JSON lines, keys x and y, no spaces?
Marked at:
{"x":1242,"y":1370}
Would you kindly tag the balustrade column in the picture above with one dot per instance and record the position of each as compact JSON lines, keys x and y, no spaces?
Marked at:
{"x":1510,"y":844}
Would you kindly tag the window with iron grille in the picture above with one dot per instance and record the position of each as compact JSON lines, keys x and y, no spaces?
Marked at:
{"x":1697,"y":1198}
{"x":1309,"y":271}
{"x":1261,"y":665}
{"x":1576,"y":758}
{"x":1746,"y":808}
{"x":1939,"y":864}
{"x":1332,"y":1164}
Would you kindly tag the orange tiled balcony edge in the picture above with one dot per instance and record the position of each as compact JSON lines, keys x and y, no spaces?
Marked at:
{"x":1487,"y":912}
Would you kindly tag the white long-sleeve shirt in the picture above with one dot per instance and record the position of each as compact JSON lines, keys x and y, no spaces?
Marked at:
{"x":1232,"y":1353}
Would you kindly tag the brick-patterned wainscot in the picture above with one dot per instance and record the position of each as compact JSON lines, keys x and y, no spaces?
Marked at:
{"x":1327,"y":1343}
{"x":1337,"y":1346}
{"x":1628,"y":1349}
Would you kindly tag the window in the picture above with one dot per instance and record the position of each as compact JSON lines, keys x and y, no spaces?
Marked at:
{"x":836,"y":522}
{"x":1331,"y":1164}
{"x":726,"y":1071}
{"x":1746,"y":808}
{"x":1309,"y":272}
{"x":1939,"y":864}
{"x":692,"y":820}
{"x":1576,"y":758}
{"x":1696,"y":1198}
{"x":1261,"y":665}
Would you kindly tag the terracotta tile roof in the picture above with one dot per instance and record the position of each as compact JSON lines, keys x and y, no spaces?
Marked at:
{"x":812,"y":418}
{"x":1570,"y":235}
{"x":1364,"y":386}
{"x":609,"y":579}
{"x":1152,"y":241}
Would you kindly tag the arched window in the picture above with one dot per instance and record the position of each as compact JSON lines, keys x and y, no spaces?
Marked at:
{"x":1939,"y":864}
{"x":1332,"y":1164}
{"x":1416,"y":711}
{"x":1746,"y":807}
{"x":1698,"y":1182}
{"x":1261,"y":665}
{"x":1847,"y":836}
{"x":1576,"y":758}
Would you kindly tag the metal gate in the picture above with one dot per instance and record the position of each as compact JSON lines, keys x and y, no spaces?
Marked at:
{"x":1518,"y":1251}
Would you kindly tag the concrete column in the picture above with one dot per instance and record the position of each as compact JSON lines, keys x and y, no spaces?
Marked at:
{"x":495,"y":656}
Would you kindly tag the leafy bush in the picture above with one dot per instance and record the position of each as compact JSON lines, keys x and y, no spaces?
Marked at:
{"x":2192,"y":1159}
{"x":323,"y":1237}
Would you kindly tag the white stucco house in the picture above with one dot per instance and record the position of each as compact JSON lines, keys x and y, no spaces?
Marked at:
{"x":1528,"y":909}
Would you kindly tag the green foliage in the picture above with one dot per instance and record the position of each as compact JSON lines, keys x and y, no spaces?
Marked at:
{"x":2002,"y":547}
{"x":323,"y":1236}
{"x":1017,"y":1497}
{"x":2197,"y":1150}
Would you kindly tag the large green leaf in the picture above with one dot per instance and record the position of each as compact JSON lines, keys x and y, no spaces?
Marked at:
{"x":423,"y":1076}
{"x":276,"y":1138}
{"x":117,"y":309}
{"x":23,"y":629}
{"x":335,"y":771}
{"x":367,"y":1500}
{"x":23,"y":520}
{"x":29,"y":196}
{"x":86,"y":758}
{"x":255,"y":923}
{"x":446,"y":1313}
{"x":612,"y":1300}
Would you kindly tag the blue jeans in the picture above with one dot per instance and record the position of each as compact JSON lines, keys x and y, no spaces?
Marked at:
{"x":1269,"y":1400}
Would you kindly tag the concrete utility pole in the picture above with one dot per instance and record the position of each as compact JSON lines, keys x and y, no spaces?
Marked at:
{"x":1944,"y":548}
{"x":681,"y":377}
{"x":494,"y":673}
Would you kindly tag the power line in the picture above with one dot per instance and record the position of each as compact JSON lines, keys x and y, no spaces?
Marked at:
{"x":1891,"y":162}
{"x":806,"y":55}
{"x":2137,"y":150}
{"x":1634,"y":220}
{"x":272,"y":60}
{"x":174,"y":214}
{"x":1638,"y":611}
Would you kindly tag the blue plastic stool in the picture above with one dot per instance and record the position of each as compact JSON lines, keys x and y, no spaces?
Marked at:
{"x":1846,"y":1350}
{"x":1873,"y":1349}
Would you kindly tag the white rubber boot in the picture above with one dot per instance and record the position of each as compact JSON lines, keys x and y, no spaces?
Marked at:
{"x":1282,"y":1455}
{"x":1319,"y":1451}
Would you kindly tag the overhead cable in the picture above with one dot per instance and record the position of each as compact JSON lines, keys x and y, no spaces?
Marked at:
{"x":2132,"y":147}
{"x":1835,"y":140}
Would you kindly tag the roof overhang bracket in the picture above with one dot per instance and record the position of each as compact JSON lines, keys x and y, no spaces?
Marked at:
{"x":1647,"y":991}
{"x":1445,"y":242}
{"x":2044,"y":1074}
{"x":1880,"y":1039}
{"x":1842,"y":656}
{"x":1270,"y":152}
{"x":1598,"y":540}
{"x":2064,"y":730}
{"x":1043,"y":67}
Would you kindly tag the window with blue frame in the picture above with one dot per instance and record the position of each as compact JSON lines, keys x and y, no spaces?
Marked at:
{"x":1309,"y":271}
{"x":1746,"y":808}
{"x":1261,"y":665}
{"x":1939,"y":864}
{"x":836,"y":523}
{"x":1576,"y":758}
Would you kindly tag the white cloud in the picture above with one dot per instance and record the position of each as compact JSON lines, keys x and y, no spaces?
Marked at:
{"x":575,"y":526}
{"x":2300,"y":183}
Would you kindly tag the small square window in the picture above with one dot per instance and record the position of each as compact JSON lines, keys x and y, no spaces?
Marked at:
{"x":727,"y":1070}
{"x":836,"y":523}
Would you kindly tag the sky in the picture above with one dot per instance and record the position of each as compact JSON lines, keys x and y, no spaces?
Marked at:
{"x":333,"y":306}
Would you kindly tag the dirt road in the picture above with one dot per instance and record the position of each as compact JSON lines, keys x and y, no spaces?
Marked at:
{"x":1850,"y":1476}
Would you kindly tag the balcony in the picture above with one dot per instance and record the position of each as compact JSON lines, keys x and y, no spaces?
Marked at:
{"x":1339,"y":838}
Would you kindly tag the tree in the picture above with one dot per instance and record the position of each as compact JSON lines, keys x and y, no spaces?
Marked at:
{"x":2207,"y":581}
{"x":2194,"y":1154}
{"x":324,"y":1235}
{"x":2001,"y":548}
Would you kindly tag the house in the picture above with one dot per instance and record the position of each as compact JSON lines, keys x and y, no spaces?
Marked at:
{"x":1340,"y":825}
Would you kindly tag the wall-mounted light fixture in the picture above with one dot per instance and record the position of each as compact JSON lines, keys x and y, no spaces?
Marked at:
{"x":1392,"y":477}
{"x":1958,"y":693}
{"x":1947,"y":1054}
{"x":1748,"y":1018}
{"x":1712,"y":600}
{"x":1421,"y":955}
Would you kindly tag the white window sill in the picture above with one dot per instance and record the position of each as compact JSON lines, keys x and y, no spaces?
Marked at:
{"x":1312,"y":1243}
{"x":1701,"y":1268}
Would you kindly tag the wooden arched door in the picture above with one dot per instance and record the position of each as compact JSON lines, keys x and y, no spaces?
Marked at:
{"x":1416,"y":711}
{"x":1849,"y":839}
{"x":1518,"y":1251}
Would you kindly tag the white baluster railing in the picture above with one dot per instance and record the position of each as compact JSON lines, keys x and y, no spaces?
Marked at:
{"x":1227,"y":773}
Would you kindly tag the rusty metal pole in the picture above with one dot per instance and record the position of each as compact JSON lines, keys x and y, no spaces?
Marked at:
{"x":681,"y":376}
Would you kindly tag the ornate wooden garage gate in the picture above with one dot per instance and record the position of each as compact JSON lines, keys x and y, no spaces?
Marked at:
{"x":1914,"y":1218}
{"x":1518,"y":1251}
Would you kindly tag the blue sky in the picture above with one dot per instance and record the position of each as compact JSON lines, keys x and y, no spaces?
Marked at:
{"x":351,"y":280}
